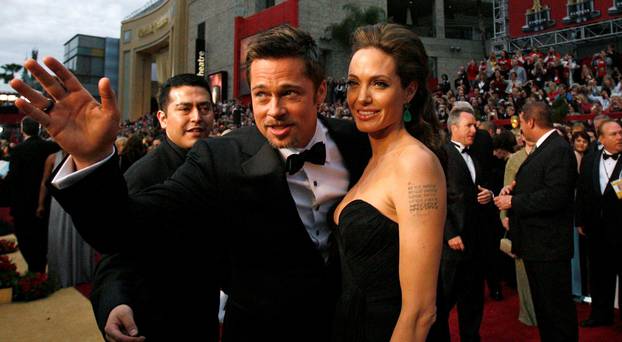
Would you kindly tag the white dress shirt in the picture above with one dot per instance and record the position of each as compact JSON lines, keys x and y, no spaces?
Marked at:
{"x":316,"y":188}
{"x":467,"y":159}
{"x":605,"y":170}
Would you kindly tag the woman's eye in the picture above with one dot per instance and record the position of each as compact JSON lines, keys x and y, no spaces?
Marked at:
{"x":351,"y":83}
{"x":381,"y":84}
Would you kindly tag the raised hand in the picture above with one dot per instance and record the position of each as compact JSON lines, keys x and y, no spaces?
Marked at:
{"x":83,"y":127}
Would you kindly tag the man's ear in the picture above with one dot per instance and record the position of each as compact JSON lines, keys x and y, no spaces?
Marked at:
{"x":320,"y":93}
{"x":162,"y":119}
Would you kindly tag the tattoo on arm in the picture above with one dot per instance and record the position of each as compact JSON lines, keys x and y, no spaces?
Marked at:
{"x":422,"y":197}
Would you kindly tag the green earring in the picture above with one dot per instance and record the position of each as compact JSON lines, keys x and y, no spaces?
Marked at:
{"x":407,"y":115}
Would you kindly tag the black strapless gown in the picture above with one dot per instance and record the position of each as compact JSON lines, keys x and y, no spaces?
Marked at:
{"x":371,"y":299}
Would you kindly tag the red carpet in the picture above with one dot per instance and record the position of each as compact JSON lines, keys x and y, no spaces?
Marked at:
{"x":501,"y":323}
{"x":84,"y":289}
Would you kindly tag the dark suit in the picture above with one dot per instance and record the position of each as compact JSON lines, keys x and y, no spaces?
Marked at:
{"x":138,"y":280}
{"x":280,"y":287}
{"x":23,"y":183}
{"x":541,"y":232}
{"x":490,"y":227}
{"x":461,"y":279}
{"x":599,"y":214}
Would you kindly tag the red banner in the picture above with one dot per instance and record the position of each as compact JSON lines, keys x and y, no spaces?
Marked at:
{"x":528,"y":17}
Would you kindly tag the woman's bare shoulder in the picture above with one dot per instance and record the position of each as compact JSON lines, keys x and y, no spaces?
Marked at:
{"x":414,"y":157}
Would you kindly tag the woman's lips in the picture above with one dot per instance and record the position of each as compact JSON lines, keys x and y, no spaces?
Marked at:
{"x":366,"y":114}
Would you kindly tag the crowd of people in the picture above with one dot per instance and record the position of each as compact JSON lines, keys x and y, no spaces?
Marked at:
{"x":499,"y":86}
{"x":412,"y":205}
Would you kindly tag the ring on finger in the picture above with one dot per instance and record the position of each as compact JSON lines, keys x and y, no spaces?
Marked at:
{"x":49,"y":106}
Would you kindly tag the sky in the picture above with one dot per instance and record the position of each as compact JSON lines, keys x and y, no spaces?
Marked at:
{"x":46,"y":25}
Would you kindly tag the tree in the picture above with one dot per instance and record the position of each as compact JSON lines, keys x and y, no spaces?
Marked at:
{"x":9,"y":71}
{"x":342,"y":32}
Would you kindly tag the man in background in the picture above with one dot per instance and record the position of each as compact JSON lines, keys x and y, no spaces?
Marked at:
{"x":598,"y":218}
{"x":461,"y":276}
{"x":540,"y":205}
{"x":23,"y":183}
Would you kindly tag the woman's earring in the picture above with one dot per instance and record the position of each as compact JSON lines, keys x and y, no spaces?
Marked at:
{"x":407,"y":115}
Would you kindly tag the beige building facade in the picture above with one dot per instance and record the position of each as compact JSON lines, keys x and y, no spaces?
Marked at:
{"x":152,"y":47}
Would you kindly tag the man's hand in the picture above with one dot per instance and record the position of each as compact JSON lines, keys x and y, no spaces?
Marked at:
{"x":503,"y":202}
{"x":456,"y":243}
{"x":484,"y":196}
{"x":120,"y":325}
{"x":79,"y":124}
{"x":508,"y":189}
{"x":506,"y":223}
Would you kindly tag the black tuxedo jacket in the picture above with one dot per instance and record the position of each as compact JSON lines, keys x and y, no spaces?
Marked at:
{"x":463,"y":210}
{"x":542,"y":203}
{"x":23,"y":181}
{"x":136,"y":279}
{"x":599,"y":213}
{"x":280,"y":287}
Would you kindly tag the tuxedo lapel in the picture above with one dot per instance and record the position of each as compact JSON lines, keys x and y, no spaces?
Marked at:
{"x":266,"y":161}
{"x":596,"y":172}
{"x":463,"y":165}
{"x":615,"y":174}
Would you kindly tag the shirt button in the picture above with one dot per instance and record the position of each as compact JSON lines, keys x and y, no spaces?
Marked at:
{"x":314,"y":183}
{"x":317,"y":208}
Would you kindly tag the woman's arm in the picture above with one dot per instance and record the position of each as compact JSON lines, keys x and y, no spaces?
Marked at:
{"x":47,"y":171}
{"x":419,"y":196}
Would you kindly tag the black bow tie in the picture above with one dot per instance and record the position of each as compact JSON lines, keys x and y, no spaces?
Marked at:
{"x":316,"y":155}
{"x":463,"y":150}
{"x":612,"y":156}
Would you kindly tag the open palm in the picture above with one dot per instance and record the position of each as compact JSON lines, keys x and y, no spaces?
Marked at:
{"x":83,"y":127}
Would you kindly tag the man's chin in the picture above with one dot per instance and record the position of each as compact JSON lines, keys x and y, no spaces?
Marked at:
{"x":282,"y":143}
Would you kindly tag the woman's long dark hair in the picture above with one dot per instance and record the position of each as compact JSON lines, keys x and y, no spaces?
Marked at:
{"x":412,"y":66}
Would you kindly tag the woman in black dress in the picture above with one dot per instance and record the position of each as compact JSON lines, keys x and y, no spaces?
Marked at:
{"x":390,"y":224}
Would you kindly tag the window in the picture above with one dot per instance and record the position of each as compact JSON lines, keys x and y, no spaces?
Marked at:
{"x":127,"y":36}
{"x":419,"y":17}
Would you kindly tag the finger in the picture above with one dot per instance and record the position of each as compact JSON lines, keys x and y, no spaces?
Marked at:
{"x":129,"y":325}
{"x":35,"y":97}
{"x":49,"y":83}
{"x":70,"y":81}
{"x":109,"y":102}
{"x":33,"y":112}
{"x":115,"y":334}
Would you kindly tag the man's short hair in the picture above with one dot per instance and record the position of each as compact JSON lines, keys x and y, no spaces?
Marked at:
{"x":458,"y":108}
{"x":285,"y":41}
{"x":179,"y":81}
{"x":599,"y":131}
{"x":29,"y":126}
{"x":540,"y":112}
